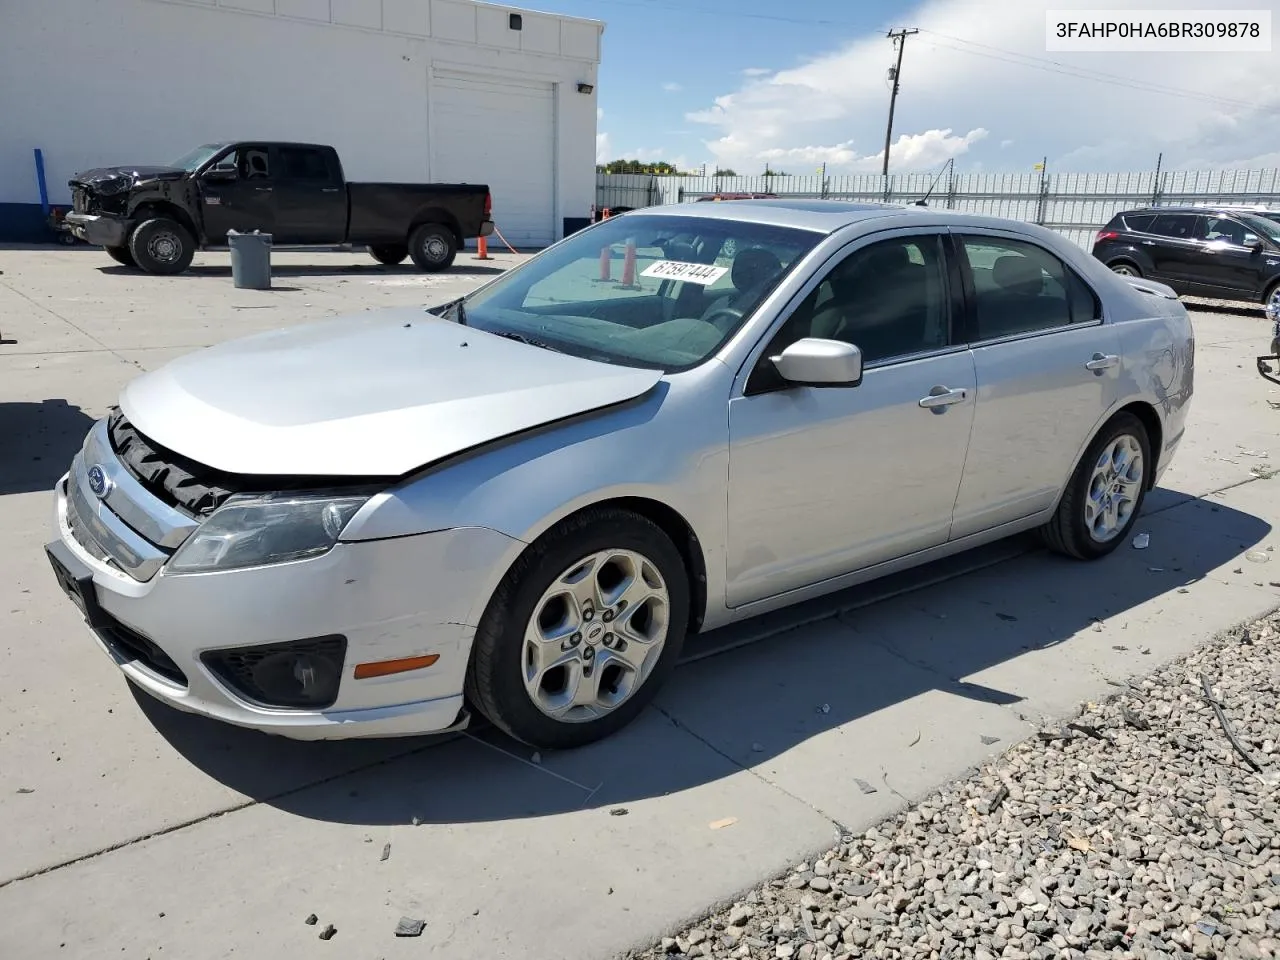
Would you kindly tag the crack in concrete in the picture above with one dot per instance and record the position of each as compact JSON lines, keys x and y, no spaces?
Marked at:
{"x":74,"y":326}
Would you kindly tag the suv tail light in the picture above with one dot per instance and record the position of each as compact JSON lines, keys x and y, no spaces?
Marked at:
{"x":1105,"y":235}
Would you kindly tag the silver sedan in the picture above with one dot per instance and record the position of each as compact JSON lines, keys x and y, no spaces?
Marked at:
{"x":525,"y":500}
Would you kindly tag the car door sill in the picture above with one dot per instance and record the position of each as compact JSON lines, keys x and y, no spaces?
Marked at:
{"x":856,"y":577}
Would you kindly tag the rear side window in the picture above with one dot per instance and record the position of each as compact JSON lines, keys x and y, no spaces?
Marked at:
{"x":302,"y":163}
{"x":1141,"y":222}
{"x":1022,"y":288}
{"x":1181,"y":226}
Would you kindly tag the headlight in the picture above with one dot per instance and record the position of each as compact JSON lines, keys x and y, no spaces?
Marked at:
{"x":250,"y":531}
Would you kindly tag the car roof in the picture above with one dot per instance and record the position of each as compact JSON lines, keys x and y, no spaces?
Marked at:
{"x":822,"y":216}
{"x":1182,"y":208}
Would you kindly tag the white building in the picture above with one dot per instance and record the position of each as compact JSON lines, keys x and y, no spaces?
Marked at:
{"x":408,"y":90}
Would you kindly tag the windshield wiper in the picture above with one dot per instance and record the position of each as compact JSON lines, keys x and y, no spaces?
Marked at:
{"x":521,"y":338}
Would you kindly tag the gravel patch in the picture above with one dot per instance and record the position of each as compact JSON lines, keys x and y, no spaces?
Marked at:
{"x":1136,"y":830}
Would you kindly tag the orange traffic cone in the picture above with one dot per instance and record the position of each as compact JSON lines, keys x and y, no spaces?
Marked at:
{"x":482,"y":249}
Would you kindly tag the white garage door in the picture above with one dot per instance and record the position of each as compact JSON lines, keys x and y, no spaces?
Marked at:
{"x":501,"y":132}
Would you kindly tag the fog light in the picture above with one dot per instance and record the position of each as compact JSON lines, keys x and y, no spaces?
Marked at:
{"x":300,"y":673}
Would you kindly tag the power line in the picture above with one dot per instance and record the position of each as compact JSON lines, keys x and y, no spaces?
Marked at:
{"x":899,"y":39}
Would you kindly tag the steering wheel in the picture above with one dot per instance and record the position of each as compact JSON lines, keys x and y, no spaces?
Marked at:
{"x":733,"y":314}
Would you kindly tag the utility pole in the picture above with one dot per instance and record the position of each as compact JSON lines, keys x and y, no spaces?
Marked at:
{"x":899,"y":38}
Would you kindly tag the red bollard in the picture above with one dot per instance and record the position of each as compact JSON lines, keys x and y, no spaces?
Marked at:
{"x":482,"y":249}
{"x":629,"y":266}
{"x":606,"y":263}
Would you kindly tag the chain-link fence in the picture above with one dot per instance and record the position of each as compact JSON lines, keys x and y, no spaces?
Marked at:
{"x":1076,"y":204}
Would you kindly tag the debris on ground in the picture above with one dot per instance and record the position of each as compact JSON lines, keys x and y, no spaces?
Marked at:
{"x":619,"y":812}
{"x":1142,"y":541}
{"x":328,"y":932}
{"x":409,"y":927}
{"x":311,"y":920}
{"x":1157,"y":841}
{"x":25,"y":790}
{"x":386,"y":852}
{"x":721,"y":824}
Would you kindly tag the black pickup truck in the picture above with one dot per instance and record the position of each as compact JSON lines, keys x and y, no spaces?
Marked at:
{"x":156,"y":217}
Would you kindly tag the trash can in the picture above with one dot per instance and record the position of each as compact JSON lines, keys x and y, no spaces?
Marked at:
{"x":250,"y":259}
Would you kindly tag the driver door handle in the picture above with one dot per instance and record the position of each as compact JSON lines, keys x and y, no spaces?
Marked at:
{"x":1102,"y":361}
{"x":262,"y":189}
{"x":942,"y":397}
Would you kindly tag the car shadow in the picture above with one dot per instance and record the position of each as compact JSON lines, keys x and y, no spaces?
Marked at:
{"x":1244,"y":308}
{"x":748,"y":693}
{"x":38,"y":440}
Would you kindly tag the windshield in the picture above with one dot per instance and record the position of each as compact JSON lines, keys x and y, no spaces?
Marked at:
{"x":659,"y":292}
{"x":1264,"y":225}
{"x":191,"y":161}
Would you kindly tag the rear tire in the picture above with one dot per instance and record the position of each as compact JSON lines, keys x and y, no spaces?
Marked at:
{"x":433,"y":247}
{"x":1125,"y":268}
{"x":1271,"y":301}
{"x":162,"y":246}
{"x":1105,"y":486}
{"x":389,"y":254}
{"x":547,"y":666}
{"x":122,"y":256}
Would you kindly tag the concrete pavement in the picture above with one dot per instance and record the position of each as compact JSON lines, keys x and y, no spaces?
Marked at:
{"x":135,"y":831}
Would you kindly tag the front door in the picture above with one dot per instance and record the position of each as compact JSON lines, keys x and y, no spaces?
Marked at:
{"x":1047,"y":367}
{"x":310,"y":196}
{"x":827,"y":480}
{"x":243,"y":203}
{"x":1229,"y":264}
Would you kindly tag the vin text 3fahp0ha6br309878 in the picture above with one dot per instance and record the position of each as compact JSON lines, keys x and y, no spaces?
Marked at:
{"x":524,"y":500}
{"x":155,"y":218}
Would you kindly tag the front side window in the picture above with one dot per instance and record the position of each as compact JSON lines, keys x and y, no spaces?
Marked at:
{"x":889,"y":299}
{"x":1021,"y":288}
{"x":1223,"y":230}
{"x":661,"y":292}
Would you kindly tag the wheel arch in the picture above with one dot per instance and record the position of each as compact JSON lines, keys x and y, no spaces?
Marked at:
{"x":164,"y":208}
{"x":1126,"y":259}
{"x":1150,"y":419}
{"x":436,"y":215}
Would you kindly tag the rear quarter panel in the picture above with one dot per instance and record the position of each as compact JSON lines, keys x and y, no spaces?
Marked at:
{"x":386,"y":212}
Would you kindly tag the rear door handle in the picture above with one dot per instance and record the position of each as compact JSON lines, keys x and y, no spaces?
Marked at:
{"x":262,"y":189}
{"x":1102,"y":361}
{"x":942,"y":397}
{"x":328,"y":189}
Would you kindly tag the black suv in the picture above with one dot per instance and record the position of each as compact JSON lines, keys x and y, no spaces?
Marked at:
{"x":1199,"y":251}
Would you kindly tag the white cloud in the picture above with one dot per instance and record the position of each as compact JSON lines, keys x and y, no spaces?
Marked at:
{"x":603,"y":148}
{"x":672,"y":87}
{"x":968,"y":100}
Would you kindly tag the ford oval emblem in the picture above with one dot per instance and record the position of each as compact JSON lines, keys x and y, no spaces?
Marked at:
{"x":99,"y":482}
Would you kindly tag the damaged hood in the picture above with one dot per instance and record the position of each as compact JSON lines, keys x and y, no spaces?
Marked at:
{"x":114,"y":179}
{"x":376,"y":395}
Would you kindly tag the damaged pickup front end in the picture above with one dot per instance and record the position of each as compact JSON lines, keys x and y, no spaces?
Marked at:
{"x":105,"y":202}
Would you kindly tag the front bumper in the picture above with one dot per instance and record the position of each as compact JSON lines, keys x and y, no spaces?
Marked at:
{"x":390,"y":599}
{"x":102,"y":230}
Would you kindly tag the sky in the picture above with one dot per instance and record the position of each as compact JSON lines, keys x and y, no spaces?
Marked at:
{"x":745,"y":83}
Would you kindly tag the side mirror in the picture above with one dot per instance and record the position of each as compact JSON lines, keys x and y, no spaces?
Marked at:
{"x":1254,"y":243}
{"x":221,"y":174}
{"x":816,"y":362}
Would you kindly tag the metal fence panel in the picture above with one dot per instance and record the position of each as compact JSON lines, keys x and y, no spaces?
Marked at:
{"x":1075,"y":204}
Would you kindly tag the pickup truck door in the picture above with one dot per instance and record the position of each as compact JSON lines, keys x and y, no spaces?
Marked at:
{"x":311,"y":196}
{"x":236,"y":193}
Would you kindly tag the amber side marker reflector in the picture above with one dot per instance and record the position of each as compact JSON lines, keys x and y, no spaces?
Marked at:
{"x":382,"y":668}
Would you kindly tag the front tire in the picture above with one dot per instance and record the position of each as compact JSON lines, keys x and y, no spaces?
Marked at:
{"x":1271,"y":302}
{"x":1105,"y":493}
{"x":122,"y":256}
{"x":390,"y":254}
{"x":582,"y":631}
{"x":433,"y":247}
{"x":162,"y":246}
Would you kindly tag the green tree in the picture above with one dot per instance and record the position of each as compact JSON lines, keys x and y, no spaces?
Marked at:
{"x":661,"y":168}
{"x":725,"y":172}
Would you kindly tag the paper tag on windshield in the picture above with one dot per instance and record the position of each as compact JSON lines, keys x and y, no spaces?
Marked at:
{"x":703,"y":273}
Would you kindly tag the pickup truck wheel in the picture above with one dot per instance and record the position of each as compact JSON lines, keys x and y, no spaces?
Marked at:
{"x":433,"y":247}
{"x":162,"y":246}
{"x":121,"y":255}
{"x":582,"y":631}
{"x":389,"y":254}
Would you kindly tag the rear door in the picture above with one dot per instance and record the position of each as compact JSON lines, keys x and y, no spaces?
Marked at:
{"x":1175,"y":248}
{"x":1229,"y":265}
{"x":311,"y":198}
{"x":1047,"y":368}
